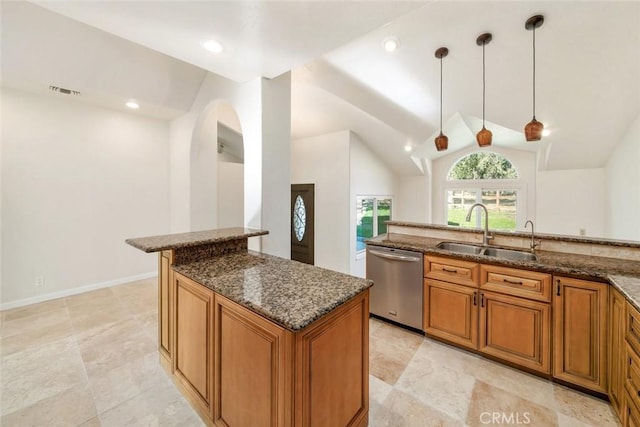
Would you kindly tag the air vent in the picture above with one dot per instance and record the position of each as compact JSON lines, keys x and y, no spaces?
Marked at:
{"x":64,"y":90}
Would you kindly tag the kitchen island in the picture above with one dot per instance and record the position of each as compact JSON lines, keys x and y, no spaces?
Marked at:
{"x":252,"y":339}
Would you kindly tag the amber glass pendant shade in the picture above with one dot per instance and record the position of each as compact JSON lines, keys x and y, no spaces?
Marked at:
{"x":484,"y":137}
{"x":533,"y":130}
{"x":442,"y":142}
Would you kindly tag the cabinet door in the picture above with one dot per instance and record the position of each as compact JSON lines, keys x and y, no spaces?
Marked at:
{"x":580,"y":332}
{"x":164,"y":307}
{"x":516,"y":330}
{"x":193,"y":341}
{"x":631,"y":413}
{"x":451,"y":312}
{"x":251,"y":368}
{"x":617,"y":306}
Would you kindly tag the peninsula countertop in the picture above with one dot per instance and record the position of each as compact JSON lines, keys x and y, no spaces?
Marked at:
{"x":193,"y":238}
{"x":287,"y":292}
{"x":622,"y":274}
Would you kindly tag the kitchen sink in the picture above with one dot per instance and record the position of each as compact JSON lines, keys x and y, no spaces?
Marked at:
{"x":460,"y":248}
{"x":508,"y":254}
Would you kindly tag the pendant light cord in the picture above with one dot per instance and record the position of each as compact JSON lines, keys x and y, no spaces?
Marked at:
{"x":441,"y":95}
{"x":534,"y":72}
{"x":483,"y":85}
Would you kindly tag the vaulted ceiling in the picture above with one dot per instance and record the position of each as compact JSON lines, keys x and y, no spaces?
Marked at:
{"x":588,"y":65}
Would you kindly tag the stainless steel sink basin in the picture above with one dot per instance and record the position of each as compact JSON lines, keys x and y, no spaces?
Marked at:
{"x":509,"y":254}
{"x":460,"y":248}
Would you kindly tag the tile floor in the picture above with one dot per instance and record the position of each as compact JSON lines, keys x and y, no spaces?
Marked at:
{"x":91,"y":360}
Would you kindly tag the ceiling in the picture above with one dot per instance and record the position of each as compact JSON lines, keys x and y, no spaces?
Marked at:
{"x":588,"y":66}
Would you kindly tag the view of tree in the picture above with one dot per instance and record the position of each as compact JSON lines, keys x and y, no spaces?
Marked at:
{"x":483,"y":166}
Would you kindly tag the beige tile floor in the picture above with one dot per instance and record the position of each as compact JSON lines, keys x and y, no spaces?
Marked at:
{"x":91,"y":360}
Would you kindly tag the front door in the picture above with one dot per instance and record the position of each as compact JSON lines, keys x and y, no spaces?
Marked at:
{"x":302,"y":218}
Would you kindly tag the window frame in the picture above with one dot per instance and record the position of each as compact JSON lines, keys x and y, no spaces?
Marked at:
{"x":375,"y":216}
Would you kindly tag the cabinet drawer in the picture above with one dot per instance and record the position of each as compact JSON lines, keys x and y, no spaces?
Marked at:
{"x":632,"y":332}
{"x":632,"y":413}
{"x":522,"y":283}
{"x":451,"y":270}
{"x":632,"y":375}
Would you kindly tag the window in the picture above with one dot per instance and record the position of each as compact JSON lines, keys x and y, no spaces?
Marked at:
{"x":486,"y":178}
{"x":371,"y":214}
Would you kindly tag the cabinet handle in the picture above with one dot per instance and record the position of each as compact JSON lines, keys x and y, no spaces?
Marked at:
{"x":449,"y":270}
{"x":558,"y":287}
{"x":475,"y":298}
{"x":481,"y":300}
{"x":513,"y":282}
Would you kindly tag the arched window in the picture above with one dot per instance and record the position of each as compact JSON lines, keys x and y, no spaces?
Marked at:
{"x":488,"y":178}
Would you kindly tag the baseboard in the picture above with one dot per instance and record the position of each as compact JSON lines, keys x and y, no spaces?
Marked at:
{"x":75,"y":291}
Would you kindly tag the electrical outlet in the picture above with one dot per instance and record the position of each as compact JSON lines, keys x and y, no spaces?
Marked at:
{"x":39,"y":281}
{"x":583,"y":231}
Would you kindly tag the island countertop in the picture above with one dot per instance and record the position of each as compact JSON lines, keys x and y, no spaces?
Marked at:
{"x":289,"y":293}
{"x":193,"y":238}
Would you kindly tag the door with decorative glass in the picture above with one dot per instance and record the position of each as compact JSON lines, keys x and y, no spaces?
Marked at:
{"x":302,"y":221}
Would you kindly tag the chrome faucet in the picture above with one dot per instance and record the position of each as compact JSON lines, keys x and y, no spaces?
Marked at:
{"x":533,"y":243}
{"x":486,"y":237}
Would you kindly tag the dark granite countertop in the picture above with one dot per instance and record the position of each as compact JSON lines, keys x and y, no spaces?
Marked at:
{"x":194,"y":238}
{"x":287,"y":292}
{"x":622,"y":274}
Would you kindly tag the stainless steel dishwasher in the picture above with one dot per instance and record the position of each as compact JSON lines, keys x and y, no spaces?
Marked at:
{"x":397,"y":284}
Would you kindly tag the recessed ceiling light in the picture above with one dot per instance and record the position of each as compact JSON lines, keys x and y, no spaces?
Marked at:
{"x":213,"y":46}
{"x":546,"y":132}
{"x":390,"y":44}
{"x":133,"y":105}
{"x":408,"y":148}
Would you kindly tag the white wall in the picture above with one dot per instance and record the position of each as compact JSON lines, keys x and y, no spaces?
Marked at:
{"x":622,"y":188}
{"x":368,"y":176}
{"x":264,"y":111}
{"x":324,"y":161}
{"x":412,"y":202}
{"x":571,"y":200}
{"x":76,"y":182}
{"x":230,"y":194}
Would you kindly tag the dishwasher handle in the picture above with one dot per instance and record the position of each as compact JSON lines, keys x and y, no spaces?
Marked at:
{"x":395,"y":257}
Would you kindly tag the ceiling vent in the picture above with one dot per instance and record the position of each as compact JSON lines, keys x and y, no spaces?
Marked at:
{"x":64,"y":90}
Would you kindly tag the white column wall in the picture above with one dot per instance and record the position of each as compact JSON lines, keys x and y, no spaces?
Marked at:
{"x":324,"y":161}
{"x":622,"y":190}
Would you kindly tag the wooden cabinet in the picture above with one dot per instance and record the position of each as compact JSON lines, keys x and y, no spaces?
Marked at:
{"x":483,"y":308}
{"x":616,"y":355}
{"x":451,"y":312}
{"x":165,"y":290}
{"x":515,"y":282}
{"x":193,"y":341}
{"x":451,"y":270}
{"x":631,"y":413}
{"x":239,"y":369}
{"x":251,"y":360}
{"x":632,"y":327}
{"x":516,"y":330}
{"x":580,"y":333}
{"x":632,"y":376}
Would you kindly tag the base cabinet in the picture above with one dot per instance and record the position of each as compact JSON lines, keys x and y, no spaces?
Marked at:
{"x":165,"y":296}
{"x":239,"y":369}
{"x":580,"y":332}
{"x":451,"y":312}
{"x":516,"y":330}
{"x":193,"y":342}
{"x":617,"y":305}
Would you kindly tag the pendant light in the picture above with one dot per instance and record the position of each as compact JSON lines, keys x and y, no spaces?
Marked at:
{"x":533,"y":129}
{"x":442,"y":142}
{"x":484,"y":136}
